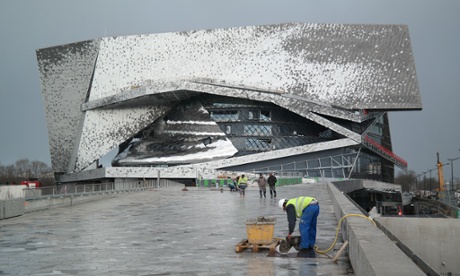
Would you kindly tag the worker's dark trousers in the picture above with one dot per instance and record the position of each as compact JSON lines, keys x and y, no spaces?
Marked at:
{"x":272,"y":191}
{"x":307,"y":226}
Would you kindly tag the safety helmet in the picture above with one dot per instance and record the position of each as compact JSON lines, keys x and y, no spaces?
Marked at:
{"x":281,"y":203}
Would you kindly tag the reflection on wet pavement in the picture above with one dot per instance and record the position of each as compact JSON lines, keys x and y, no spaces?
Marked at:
{"x":162,"y":232}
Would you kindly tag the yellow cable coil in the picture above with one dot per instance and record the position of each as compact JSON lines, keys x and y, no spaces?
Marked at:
{"x":337,"y":231}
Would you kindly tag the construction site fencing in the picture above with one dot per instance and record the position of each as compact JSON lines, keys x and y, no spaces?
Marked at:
{"x":449,"y":198}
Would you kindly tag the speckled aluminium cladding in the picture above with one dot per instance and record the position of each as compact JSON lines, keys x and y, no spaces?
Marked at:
{"x":102,"y":92}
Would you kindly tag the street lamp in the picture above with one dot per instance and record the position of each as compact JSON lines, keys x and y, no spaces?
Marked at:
{"x":424,"y":183}
{"x":418,"y":182}
{"x":431,"y":180}
{"x":442,"y":184}
{"x":452,"y":171}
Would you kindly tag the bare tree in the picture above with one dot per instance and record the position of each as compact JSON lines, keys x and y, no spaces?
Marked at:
{"x":23,"y":168}
{"x":10,"y":174}
{"x":39,"y":169}
{"x":407,"y":180}
{"x":2,"y":174}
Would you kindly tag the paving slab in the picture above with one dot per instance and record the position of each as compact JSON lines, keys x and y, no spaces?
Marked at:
{"x":163,"y":232}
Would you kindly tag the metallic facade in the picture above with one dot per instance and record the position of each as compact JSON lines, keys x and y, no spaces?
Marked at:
{"x":333,"y":83}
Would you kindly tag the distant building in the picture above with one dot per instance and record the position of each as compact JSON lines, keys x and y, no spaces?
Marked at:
{"x":309,"y":99}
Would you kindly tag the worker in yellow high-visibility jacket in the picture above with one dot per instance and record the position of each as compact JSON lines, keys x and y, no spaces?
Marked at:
{"x":242,"y":184}
{"x":307,"y":209}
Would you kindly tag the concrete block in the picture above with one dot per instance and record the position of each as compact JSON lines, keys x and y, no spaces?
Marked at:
{"x":12,"y":208}
{"x":11,"y":191}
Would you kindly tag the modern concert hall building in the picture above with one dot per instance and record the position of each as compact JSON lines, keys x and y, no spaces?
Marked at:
{"x":301,"y":99}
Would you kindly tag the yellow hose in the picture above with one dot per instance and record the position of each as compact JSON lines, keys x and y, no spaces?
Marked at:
{"x":337,"y":231}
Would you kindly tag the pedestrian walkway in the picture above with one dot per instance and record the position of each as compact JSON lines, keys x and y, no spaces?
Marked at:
{"x":162,"y":232}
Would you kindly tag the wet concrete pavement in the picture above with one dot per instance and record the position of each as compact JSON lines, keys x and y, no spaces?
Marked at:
{"x":163,"y":232}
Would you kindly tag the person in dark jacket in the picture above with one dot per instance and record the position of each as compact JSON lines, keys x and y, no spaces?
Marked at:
{"x":271,"y":184}
{"x":307,"y":209}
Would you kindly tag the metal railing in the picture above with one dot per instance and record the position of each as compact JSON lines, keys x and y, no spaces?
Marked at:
{"x":386,"y":153}
{"x":83,"y":189}
{"x":68,"y":189}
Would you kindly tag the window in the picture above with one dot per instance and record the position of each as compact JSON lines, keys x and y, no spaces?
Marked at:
{"x":376,"y":129}
{"x":265,"y":116}
{"x":225,"y":115}
{"x":258,"y":130}
{"x":253,"y":115}
{"x":258,"y":144}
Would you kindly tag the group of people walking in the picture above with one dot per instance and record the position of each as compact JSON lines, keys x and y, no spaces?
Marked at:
{"x":271,"y":181}
{"x":241,"y":183}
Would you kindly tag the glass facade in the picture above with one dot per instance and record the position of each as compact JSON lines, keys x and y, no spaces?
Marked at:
{"x":257,"y":130}
{"x":259,"y":126}
{"x":255,"y":144}
{"x":255,"y":127}
{"x":225,"y":115}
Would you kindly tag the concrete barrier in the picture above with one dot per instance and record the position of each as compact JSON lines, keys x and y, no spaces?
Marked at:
{"x":434,"y":240}
{"x":11,"y":208}
{"x":348,"y":186}
{"x":43,"y":203}
{"x":14,"y":203}
{"x":370,"y":251}
{"x":12,"y":191}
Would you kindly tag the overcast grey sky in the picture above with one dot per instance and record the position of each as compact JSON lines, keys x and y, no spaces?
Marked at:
{"x":434,"y":28}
